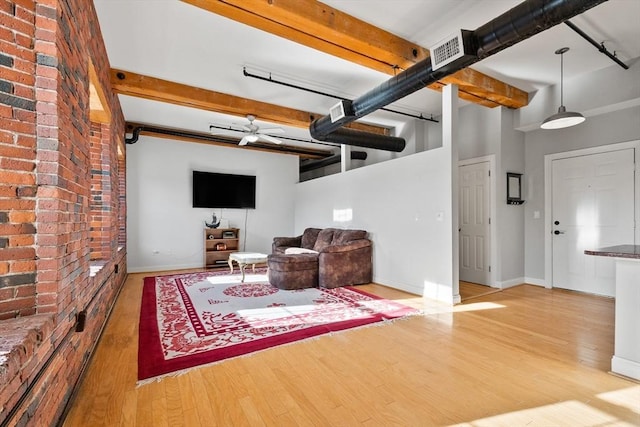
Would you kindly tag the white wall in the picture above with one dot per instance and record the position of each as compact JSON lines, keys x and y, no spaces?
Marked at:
{"x":619,"y":126}
{"x":397,"y":202}
{"x":510,"y":218}
{"x":159,"y":213}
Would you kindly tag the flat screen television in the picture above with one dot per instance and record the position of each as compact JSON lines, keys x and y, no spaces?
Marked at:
{"x":221,"y":190}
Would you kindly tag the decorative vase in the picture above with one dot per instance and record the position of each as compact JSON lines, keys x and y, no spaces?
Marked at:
{"x":214,"y":222}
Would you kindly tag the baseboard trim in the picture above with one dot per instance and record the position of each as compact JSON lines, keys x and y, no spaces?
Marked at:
{"x":625,"y":367}
{"x":511,"y":283}
{"x":163,"y":267}
{"x":537,"y":282}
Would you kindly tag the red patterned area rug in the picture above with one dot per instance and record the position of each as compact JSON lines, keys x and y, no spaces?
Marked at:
{"x":194,"y":319}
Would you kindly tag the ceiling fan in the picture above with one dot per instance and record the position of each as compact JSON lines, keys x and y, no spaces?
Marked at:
{"x":253,"y":132}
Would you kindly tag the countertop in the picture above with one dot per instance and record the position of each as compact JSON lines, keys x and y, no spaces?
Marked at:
{"x":618,"y":251}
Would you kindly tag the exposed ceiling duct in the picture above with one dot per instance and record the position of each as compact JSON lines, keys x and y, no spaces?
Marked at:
{"x":310,"y":165}
{"x":521,"y":22}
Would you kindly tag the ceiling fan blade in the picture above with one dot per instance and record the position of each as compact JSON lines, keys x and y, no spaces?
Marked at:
{"x":269,"y":139}
{"x":244,"y":141}
{"x":271,"y":130}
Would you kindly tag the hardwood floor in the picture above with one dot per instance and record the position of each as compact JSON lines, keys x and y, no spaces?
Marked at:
{"x":523,"y":356}
{"x":470,"y":290}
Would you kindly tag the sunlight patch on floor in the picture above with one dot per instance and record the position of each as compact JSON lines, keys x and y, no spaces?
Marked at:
{"x":627,"y":398}
{"x":476,"y":306}
{"x":568,"y":413}
{"x":237,"y":278}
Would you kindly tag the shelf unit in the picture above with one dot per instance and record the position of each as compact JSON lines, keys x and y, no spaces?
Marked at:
{"x":217,"y":247}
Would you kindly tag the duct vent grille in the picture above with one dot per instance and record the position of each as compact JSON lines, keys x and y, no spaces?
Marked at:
{"x":336,"y":112}
{"x":340,"y":110}
{"x":450,"y":49}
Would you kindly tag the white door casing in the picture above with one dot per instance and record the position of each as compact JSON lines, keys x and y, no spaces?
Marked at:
{"x":592,"y":198}
{"x":475,"y":222}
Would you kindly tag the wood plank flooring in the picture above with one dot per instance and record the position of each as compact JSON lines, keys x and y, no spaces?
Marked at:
{"x":523,"y":356}
{"x":470,"y":290}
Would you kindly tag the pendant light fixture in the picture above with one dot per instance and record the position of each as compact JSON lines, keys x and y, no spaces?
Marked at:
{"x":563,"y":118}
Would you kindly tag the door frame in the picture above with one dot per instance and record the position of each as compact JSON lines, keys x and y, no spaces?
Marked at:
{"x":548,"y":158}
{"x":493,"y":238}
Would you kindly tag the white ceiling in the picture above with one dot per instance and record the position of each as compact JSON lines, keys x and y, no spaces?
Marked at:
{"x":175,"y":41}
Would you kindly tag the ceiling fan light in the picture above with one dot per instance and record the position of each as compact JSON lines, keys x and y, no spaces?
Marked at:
{"x":562,"y":119}
{"x":251,"y":138}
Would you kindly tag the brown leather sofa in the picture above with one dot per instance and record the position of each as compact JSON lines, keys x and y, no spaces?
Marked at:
{"x":328,"y":257}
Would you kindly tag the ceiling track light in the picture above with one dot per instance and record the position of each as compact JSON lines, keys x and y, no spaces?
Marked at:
{"x":563,"y":118}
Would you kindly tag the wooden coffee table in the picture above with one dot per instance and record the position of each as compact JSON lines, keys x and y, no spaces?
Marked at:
{"x":244,"y":258}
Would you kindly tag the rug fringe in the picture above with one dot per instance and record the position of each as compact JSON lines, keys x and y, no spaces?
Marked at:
{"x":384,"y":322}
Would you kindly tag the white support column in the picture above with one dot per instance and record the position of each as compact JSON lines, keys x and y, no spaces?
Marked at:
{"x":450,"y":141}
{"x":345,"y":163}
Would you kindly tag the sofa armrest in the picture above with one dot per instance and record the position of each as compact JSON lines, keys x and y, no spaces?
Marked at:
{"x":350,"y":246}
{"x":285,"y":242}
{"x":347,"y":264}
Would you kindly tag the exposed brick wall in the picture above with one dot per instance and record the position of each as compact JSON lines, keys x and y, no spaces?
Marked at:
{"x":104,"y":195}
{"x":46,"y":203}
{"x":17,"y":160}
{"x":122,"y":201}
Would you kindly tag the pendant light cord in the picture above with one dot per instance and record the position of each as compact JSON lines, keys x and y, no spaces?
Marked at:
{"x":562,"y":78}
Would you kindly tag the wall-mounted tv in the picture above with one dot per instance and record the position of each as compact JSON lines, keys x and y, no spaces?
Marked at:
{"x":221,"y":190}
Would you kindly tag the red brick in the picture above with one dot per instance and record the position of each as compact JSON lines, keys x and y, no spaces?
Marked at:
{"x":16,"y":164}
{"x":24,"y":41}
{"x":22,"y":240}
{"x":19,"y":127}
{"x":26,"y":14}
{"x":26,"y":92}
{"x":11,"y":177}
{"x":16,"y":204}
{"x":25,"y":291}
{"x":11,"y":151}
{"x":6,"y":111}
{"x":17,"y":253}
{"x":23,"y":266}
{"x":15,"y":305}
{"x":26,"y":4}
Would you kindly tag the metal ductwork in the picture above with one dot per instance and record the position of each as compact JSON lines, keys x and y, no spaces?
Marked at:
{"x":521,"y":22}
{"x":317,"y":164}
{"x":363,"y":139}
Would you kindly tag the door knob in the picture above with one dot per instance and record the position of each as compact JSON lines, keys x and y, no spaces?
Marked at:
{"x":558,"y":232}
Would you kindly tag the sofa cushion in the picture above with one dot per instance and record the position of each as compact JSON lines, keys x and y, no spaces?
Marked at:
{"x":325,"y":237}
{"x":309,"y":237}
{"x":341,"y":237}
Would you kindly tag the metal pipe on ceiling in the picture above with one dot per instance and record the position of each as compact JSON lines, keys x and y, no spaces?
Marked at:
{"x":196,"y":136}
{"x":521,"y":22}
{"x":599,"y":46}
{"x":329,"y":95}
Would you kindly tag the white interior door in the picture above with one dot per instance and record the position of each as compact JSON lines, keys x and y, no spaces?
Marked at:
{"x":475,"y":223}
{"x":592,"y":207}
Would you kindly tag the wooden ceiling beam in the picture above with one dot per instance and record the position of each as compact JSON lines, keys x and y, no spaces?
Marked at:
{"x":141,"y":86}
{"x":319,"y":26}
